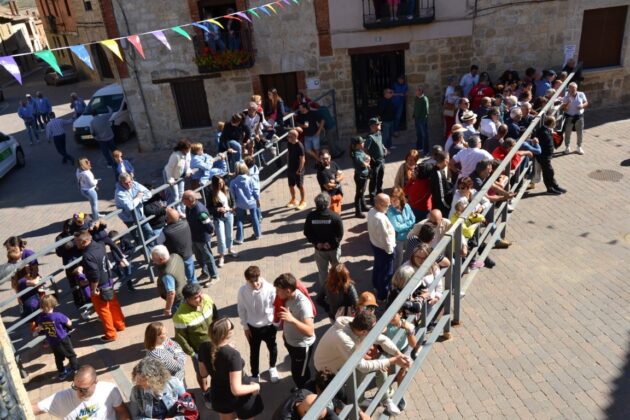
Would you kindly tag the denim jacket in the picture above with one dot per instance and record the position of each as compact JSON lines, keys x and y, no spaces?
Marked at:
{"x":245,"y":192}
{"x":126,"y":201}
{"x":402,"y":221}
{"x":141,"y":401}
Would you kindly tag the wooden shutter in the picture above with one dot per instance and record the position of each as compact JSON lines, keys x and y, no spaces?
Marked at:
{"x":602,"y":36}
{"x":192,"y":104}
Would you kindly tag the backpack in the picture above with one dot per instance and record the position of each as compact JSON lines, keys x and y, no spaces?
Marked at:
{"x":185,"y":407}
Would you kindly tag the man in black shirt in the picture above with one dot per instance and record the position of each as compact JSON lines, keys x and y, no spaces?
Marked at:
{"x":312,"y":123}
{"x":374,"y":148}
{"x":441,"y":187}
{"x":387,"y":114}
{"x":178,"y":240}
{"x":329,"y":177}
{"x":96,"y":268}
{"x":545,"y":138}
{"x":295,"y":169}
{"x":324,"y":229}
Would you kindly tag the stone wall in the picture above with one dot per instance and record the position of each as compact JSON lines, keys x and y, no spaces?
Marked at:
{"x":90,"y":28}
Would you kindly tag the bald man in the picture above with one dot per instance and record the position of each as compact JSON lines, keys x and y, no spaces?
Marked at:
{"x":383,"y":241}
{"x":178,"y":240}
{"x":88,"y":398}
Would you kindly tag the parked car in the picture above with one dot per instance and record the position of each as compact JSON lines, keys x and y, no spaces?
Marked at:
{"x":11,"y":154}
{"x":70,"y":75}
{"x":111,"y":98}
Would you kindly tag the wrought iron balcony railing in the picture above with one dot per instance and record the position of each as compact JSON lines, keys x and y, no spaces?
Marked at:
{"x":223,"y":51}
{"x":379,"y":14}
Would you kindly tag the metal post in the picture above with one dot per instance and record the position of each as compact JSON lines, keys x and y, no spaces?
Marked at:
{"x":456,"y":275}
{"x":447,"y":303}
{"x":352,"y":397}
{"x":145,"y":250}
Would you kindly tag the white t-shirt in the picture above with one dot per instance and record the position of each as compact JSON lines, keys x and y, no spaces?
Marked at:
{"x":66,"y":404}
{"x":468,"y":158}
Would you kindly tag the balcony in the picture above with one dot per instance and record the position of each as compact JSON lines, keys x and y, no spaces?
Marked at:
{"x":378,"y":14}
{"x":225,"y":53}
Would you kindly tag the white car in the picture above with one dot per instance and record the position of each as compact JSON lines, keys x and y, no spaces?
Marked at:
{"x":11,"y":154}
{"x":110,"y":98}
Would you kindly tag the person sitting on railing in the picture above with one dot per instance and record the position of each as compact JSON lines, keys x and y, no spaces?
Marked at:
{"x":234,"y":136}
{"x":275,"y":111}
{"x":254,"y":120}
{"x":177,"y":167}
{"x":129,"y":197}
{"x":497,"y":193}
{"x":203,"y":165}
{"x":340,"y":341}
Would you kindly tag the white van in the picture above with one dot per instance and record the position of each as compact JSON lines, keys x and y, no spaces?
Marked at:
{"x":112,"y":98}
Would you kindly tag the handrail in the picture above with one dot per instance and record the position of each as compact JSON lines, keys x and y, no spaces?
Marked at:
{"x":453,"y":238}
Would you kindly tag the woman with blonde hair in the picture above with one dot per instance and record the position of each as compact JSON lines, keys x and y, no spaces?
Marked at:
{"x":341,"y":295}
{"x":234,"y":395}
{"x":160,"y":347}
{"x":88,"y":184}
{"x":155,"y":393}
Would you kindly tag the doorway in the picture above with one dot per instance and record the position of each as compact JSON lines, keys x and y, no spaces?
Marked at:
{"x":371,"y":73}
{"x":285,"y":83}
{"x":101,"y":62}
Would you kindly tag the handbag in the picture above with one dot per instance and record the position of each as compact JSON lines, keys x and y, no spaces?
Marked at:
{"x":449,"y":109}
{"x":107,"y":293}
{"x":185,"y":406}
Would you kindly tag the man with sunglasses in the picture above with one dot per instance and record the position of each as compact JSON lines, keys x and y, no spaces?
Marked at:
{"x":87,"y":398}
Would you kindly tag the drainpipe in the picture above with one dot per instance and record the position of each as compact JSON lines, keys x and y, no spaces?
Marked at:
{"x":135,"y":74}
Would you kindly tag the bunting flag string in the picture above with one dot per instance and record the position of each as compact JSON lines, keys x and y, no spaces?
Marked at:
{"x":10,"y":65}
{"x":135,"y":41}
{"x":50,"y":59}
{"x":112,"y":45}
{"x":162,"y":38}
{"x":82,"y":53}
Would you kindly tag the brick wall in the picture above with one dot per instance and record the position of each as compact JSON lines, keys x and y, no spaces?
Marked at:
{"x":111,"y":27}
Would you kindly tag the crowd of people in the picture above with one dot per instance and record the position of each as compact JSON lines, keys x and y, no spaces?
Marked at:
{"x":432,"y":187}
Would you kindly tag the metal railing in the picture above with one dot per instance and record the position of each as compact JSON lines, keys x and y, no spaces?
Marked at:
{"x":455,"y":284}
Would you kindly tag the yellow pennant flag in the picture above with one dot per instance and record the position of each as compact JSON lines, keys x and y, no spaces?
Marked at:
{"x":113,"y":47}
{"x":216,"y":22}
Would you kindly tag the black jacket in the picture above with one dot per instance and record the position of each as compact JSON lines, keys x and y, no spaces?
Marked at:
{"x":213,"y":204}
{"x":324,"y":226}
{"x":441,"y":192}
{"x":201,"y":227}
{"x":545,"y":138}
{"x":178,"y":239}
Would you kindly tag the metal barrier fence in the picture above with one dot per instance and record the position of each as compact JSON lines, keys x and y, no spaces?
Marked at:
{"x":455,"y":284}
{"x":24,"y":342}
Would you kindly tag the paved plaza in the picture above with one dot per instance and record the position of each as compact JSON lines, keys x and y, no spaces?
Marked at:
{"x":545,"y":334}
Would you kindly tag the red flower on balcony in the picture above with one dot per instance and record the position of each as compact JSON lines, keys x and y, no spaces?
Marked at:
{"x":211,"y":61}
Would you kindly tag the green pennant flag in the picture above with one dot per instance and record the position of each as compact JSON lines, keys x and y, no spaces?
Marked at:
{"x":179,"y":30}
{"x":49,"y":58}
{"x":254,"y":12}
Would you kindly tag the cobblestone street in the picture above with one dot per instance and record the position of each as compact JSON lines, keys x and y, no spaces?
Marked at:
{"x":545,"y":334}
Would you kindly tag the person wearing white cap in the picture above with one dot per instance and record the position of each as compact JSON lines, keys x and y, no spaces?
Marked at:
{"x":468,"y":119}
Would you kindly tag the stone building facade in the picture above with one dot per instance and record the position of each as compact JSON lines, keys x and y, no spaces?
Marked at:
{"x":320,"y":45}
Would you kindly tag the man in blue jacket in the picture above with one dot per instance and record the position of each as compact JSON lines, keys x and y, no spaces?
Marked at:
{"x":26,"y":112}
{"x":130,"y":196}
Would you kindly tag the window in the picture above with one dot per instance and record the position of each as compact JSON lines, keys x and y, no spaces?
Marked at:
{"x":87,"y":5}
{"x":192,"y":104}
{"x":602,"y":36}
{"x":68,"y":8}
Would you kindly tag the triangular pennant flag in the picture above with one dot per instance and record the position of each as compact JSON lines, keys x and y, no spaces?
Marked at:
{"x":279,"y":3}
{"x":287,"y":2}
{"x":162,"y":38}
{"x":179,"y":30}
{"x":233,"y":17}
{"x":49,"y":58}
{"x":216,"y":22}
{"x":271,"y":7}
{"x":83,"y":54}
{"x":202,"y":27}
{"x":244,"y":16}
{"x":267,"y":12}
{"x":112,"y":45}
{"x":254,"y":12}
{"x":11,"y":66}
{"x":296,"y":1}
{"x":135,"y":41}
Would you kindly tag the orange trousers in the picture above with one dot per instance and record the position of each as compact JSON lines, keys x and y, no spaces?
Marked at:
{"x":110,"y":314}
{"x":335,"y":203}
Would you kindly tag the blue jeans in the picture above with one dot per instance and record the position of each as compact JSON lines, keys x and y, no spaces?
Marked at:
{"x":386,"y":132}
{"x":107,"y":147}
{"x":174,"y":194}
{"x":422,"y":135}
{"x":223,"y":227}
{"x":189,"y":268}
{"x":398,"y":116}
{"x":203,"y":254}
{"x":31,"y":129}
{"x":93,"y":199}
{"x":60,"y":145}
{"x":241,"y":216}
{"x":233,"y":158}
{"x":215,"y":44}
{"x":234,"y":42}
{"x":382,"y":271}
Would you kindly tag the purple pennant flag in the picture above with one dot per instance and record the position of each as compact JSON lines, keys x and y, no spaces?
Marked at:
{"x":11,"y":66}
{"x":162,"y":38}
{"x":244,"y":16}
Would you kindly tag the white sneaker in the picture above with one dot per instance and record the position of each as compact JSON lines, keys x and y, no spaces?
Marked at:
{"x":580,"y":151}
{"x":567,"y":150}
{"x":391,"y":408}
{"x":273,"y":374}
{"x":220,"y":262}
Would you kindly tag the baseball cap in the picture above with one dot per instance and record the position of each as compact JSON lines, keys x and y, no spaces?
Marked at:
{"x":367,"y":299}
{"x":357,"y":140}
{"x":79,"y":217}
{"x":374,"y":120}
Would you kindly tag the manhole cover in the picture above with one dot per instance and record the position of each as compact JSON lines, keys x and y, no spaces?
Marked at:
{"x":606,"y":175}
